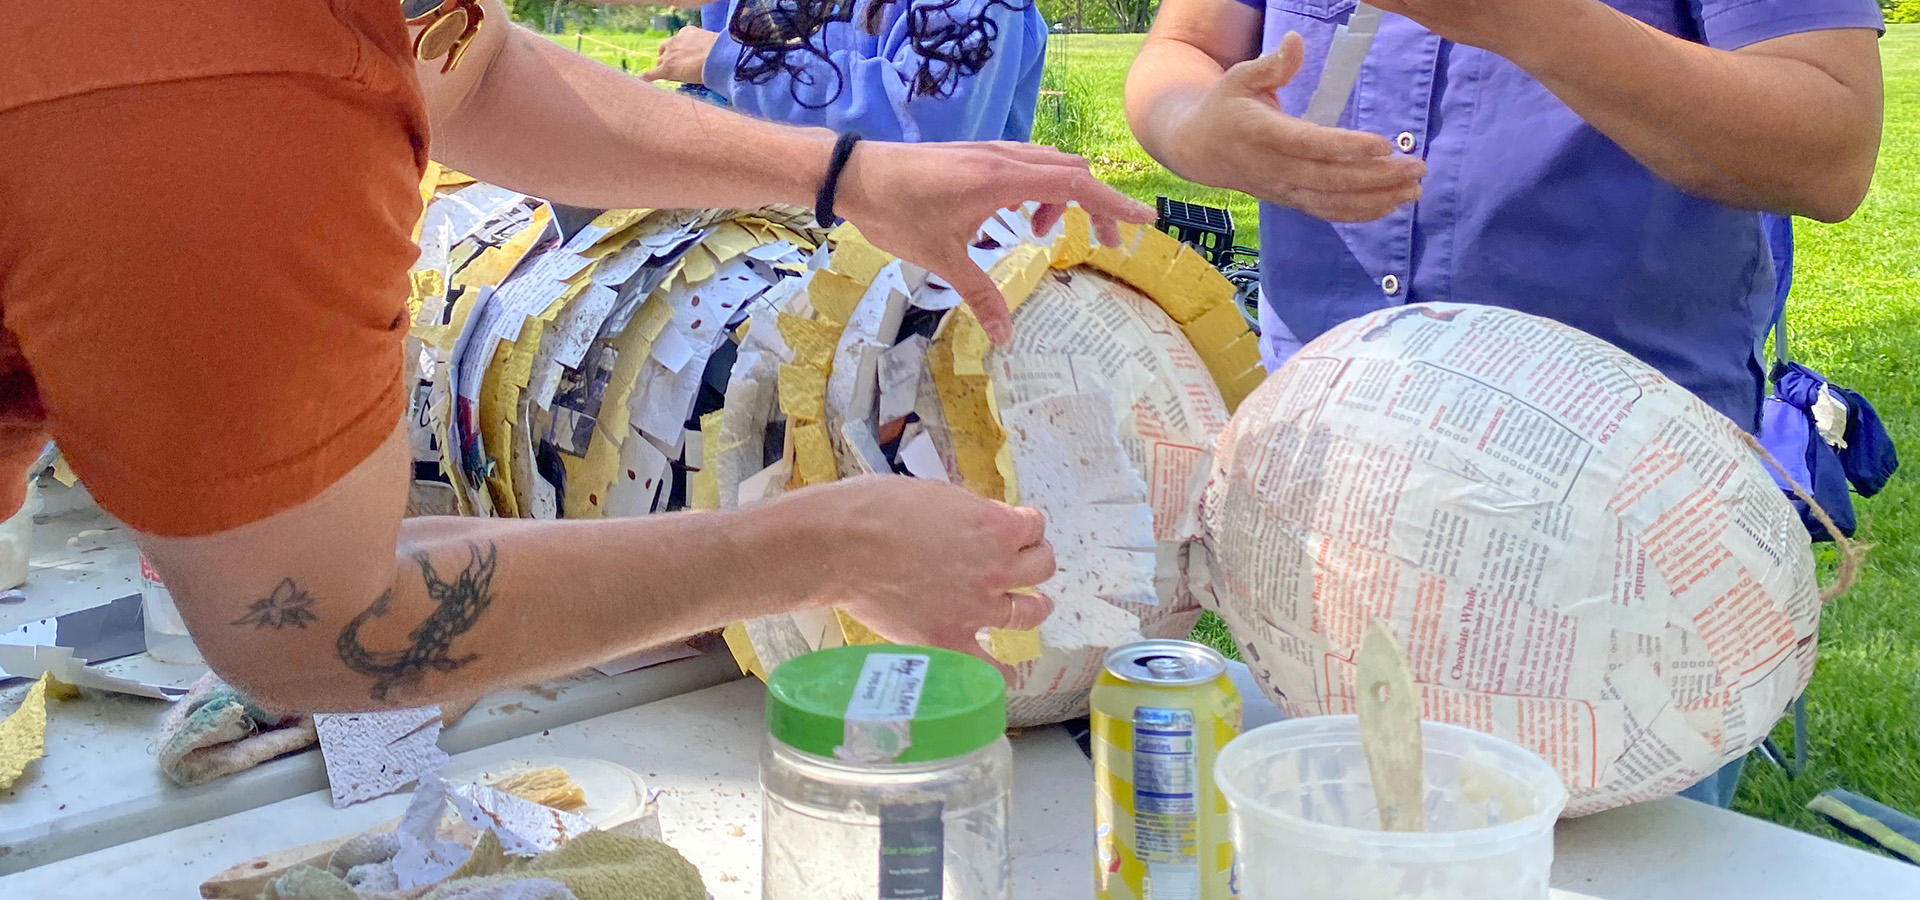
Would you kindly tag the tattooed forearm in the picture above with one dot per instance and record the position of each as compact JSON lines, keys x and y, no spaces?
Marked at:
{"x":457,"y":606}
{"x":287,"y":607}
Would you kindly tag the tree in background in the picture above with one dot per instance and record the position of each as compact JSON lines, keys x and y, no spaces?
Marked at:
{"x":558,"y":16}
{"x":1100,"y":16}
{"x":1901,"y":12}
{"x":1131,"y":16}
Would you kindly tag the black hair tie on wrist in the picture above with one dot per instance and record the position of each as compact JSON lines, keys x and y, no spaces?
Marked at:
{"x":829,"y":186}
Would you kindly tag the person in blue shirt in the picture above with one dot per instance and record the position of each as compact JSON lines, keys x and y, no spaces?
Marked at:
{"x":1606,"y":164}
{"x":898,"y":70}
{"x":1616,"y":165}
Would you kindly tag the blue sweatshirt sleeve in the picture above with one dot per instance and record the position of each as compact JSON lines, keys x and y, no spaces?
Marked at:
{"x":876,"y":97}
{"x":713,"y":16}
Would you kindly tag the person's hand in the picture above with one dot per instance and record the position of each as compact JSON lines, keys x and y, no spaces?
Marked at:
{"x":683,"y":57}
{"x":923,"y":562}
{"x":1238,"y":138}
{"x":925,"y":202}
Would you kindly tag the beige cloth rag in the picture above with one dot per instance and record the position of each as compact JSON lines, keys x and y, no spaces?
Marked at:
{"x":213,"y":732}
{"x":598,"y":865}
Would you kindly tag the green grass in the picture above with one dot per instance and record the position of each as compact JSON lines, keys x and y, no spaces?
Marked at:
{"x":1855,"y":301}
{"x":636,"y":50}
{"x":1856,"y":298}
{"x":1095,"y":72}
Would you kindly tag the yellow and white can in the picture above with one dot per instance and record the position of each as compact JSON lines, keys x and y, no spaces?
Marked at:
{"x":1162,"y":710}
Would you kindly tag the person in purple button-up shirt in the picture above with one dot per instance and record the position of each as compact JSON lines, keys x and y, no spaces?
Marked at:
{"x":1600,"y":163}
{"x":1606,"y":164}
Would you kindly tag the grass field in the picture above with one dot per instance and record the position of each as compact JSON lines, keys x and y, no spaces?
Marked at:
{"x":1856,"y":299}
{"x":1855,"y":303}
{"x":613,"y":48}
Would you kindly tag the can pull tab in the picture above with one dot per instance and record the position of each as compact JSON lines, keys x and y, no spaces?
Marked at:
{"x":1167,"y":667}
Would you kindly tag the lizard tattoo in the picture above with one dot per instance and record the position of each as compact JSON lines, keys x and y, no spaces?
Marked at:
{"x":458,"y":605}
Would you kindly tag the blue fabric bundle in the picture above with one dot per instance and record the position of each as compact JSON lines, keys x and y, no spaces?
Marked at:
{"x":1862,"y":459}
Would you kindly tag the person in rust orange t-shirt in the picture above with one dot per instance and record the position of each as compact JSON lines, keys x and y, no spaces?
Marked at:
{"x":205,"y":220}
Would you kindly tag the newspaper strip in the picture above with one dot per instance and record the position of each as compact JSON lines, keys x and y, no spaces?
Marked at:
{"x":1577,"y":555}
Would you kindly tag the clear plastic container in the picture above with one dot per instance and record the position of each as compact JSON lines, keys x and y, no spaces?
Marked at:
{"x":16,"y":541}
{"x":823,"y":818}
{"x":887,"y":774}
{"x":1305,"y":825}
{"x":167,"y":637}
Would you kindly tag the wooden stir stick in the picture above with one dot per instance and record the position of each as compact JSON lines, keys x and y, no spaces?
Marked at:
{"x":1389,"y":709}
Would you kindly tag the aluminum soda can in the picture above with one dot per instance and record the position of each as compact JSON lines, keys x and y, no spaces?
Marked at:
{"x":1162,"y":710}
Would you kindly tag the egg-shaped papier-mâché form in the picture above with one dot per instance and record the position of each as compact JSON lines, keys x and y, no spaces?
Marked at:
{"x":1577,"y":554}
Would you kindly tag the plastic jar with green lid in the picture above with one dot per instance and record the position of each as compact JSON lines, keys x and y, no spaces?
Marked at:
{"x":887,"y":776}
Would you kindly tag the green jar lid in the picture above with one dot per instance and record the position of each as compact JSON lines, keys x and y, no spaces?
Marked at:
{"x":882,"y":703}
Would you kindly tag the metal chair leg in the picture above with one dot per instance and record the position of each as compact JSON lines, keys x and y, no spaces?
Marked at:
{"x":1797,"y":763}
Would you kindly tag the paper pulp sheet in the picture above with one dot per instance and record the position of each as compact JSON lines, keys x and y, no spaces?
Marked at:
{"x":373,"y":754}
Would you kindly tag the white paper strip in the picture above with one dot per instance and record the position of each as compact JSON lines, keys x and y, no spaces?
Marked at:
{"x":1349,"y":50}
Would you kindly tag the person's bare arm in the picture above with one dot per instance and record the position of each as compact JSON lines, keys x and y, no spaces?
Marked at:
{"x":339,"y":604}
{"x":524,"y":113}
{"x":1200,"y":99}
{"x":1790,"y":125}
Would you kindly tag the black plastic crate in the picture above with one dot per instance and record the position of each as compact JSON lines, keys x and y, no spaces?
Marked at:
{"x":1208,"y":229}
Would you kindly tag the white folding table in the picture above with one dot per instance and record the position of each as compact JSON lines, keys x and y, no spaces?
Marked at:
{"x":95,"y":819}
{"x":702,"y":749}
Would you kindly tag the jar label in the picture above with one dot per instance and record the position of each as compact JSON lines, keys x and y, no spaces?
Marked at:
{"x":879,"y":718}
{"x":912,"y":850}
{"x":889,"y":688}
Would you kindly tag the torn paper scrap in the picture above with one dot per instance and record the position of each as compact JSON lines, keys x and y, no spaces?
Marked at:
{"x":814,"y":460}
{"x":811,"y":340}
{"x":922,"y":459}
{"x":373,"y":754}
{"x":23,"y":734}
{"x":1071,"y":467}
{"x":765,"y":483}
{"x":424,"y":857}
{"x":803,"y":392}
{"x":1014,"y":647}
{"x":523,"y":826}
{"x":652,"y":656}
{"x":35,"y":661}
{"x":901,"y":368}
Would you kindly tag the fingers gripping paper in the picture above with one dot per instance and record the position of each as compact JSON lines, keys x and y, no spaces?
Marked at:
{"x":1100,"y":414}
{"x":1577,"y":554}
